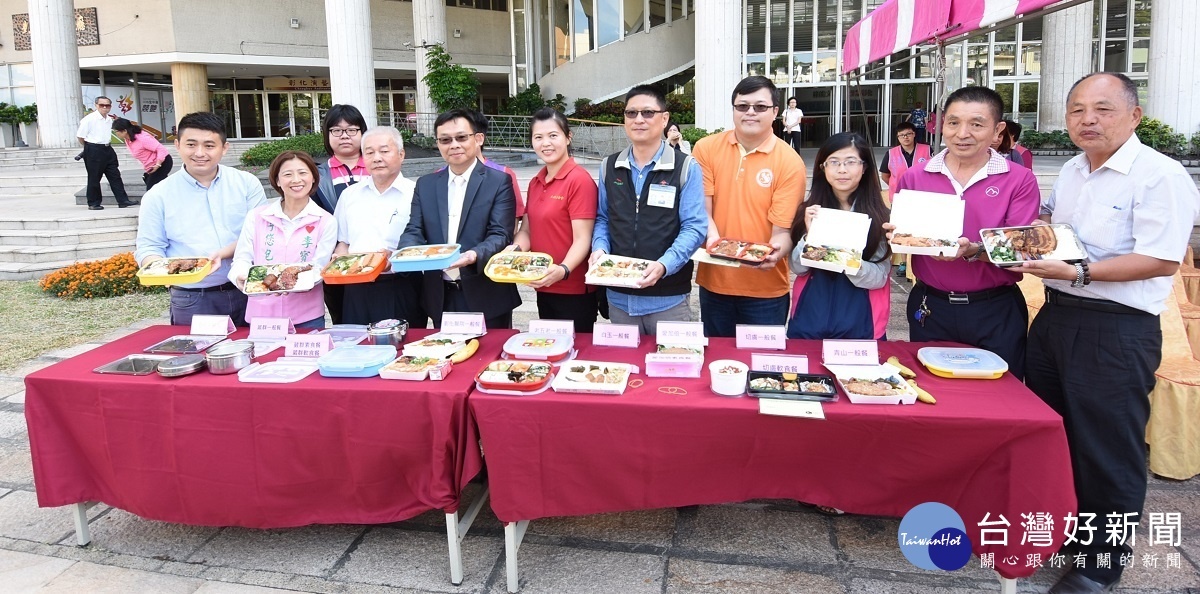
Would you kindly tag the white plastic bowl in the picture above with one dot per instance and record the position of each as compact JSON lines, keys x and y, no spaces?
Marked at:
{"x":728,"y":384}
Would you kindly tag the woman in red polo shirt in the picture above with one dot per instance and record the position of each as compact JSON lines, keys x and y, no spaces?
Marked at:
{"x":560,"y":212}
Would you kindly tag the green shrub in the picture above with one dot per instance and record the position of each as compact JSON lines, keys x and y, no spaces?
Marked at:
{"x":1160,"y":137}
{"x":29,"y":114}
{"x":693,"y":134}
{"x":1195,"y":143}
{"x":261,"y":155}
{"x":451,"y":86}
{"x":1055,"y":139}
{"x":582,"y":103}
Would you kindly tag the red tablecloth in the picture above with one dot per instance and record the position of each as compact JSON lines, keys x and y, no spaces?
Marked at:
{"x":985,"y":447}
{"x":209,"y":450}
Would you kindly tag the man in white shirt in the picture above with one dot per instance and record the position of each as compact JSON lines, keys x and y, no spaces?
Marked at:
{"x":371,"y":216}
{"x":95,"y":134}
{"x":1096,"y":344}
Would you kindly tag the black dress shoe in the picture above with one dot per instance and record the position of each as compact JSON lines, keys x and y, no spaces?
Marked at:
{"x":1077,"y":583}
{"x":128,"y":204}
{"x":96,"y":207}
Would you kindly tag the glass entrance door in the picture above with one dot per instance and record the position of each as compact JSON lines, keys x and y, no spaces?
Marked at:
{"x":279,"y":110}
{"x":302,"y":113}
{"x":250,"y":115}
{"x":817,"y":105}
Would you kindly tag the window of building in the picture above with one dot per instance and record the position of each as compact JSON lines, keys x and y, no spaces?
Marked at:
{"x":676,"y":10}
{"x":779,"y":72}
{"x":756,"y":26}
{"x":609,"y":21}
{"x":802,"y":28}
{"x":802,"y":67}
{"x":756,"y":65}
{"x":827,"y":25}
{"x":562,"y":35}
{"x":635,"y":16}
{"x":584,"y":31}
{"x":778,"y":11}
{"x":658,"y":13}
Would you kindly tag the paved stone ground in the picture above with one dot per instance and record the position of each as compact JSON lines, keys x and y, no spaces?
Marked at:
{"x":752,"y":547}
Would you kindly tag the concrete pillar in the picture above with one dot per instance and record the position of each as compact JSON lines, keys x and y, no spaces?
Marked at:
{"x":189,"y":89}
{"x":718,"y":60}
{"x":1066,"y":57}
{"x":351,"y":59}
{"x":56,"y":71}
{"x":429,"y":28}
{"x":1174,"y":84}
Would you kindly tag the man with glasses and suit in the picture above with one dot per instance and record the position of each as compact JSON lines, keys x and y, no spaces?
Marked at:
{"x":752,"y":186}
{"x":472,"y":205}
{"x":95,"y":134}
{"x":651,"y":207}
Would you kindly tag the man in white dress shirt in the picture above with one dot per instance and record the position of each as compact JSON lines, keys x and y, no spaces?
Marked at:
{"x":1093,"y":349}
{"x":371,"y":216}
{"x":95,"y":134}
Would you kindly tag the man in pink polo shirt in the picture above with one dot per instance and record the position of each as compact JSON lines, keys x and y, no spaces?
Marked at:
{"x":965,"y":298}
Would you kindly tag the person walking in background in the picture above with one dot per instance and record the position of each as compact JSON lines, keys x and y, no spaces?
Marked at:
{"x":833,"y":304}
{"x":95,"y":134}
{"x":675,"y":138}
{"x":146,"y":149}
{"x":559,"y":220}
{"x":791,"y":123}
{"x":343,"y":135}
{"x":293,"y":230}
{"x":1017,"y":147}
{"x":917,"y":117}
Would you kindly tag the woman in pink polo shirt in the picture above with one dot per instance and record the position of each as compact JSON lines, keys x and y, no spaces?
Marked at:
{"x":293,"y":231}
{"x":153,"y":156}
{"x":560,"y":213}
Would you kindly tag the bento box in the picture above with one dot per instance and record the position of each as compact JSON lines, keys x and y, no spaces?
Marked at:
{"x":518,"y":267}
{"x":539,"y":347}
{"x":409,"y":367}
{"x":592,"y":377}
{"x":174,"y":271}
{"x":1010,"y":246}
{"x":674,"y":365}
{"x":353,"y":268}
{"x":791,"y":386}
{"x":265,"y":279}
{"x":959,"y":362}
{"x":184,"y":344}
{"x":345,"y":334}
{"x":737,"y":250}
{"x":356,"y":361}
{"x":836,"y":241}
{"x":419,"y":258}
{"x":873,"y":384}
{"x":617,"y":271}
{"x":513,"y":375}
{"x":927,"y":223}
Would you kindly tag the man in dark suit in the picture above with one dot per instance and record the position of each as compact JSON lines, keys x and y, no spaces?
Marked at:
{"x":472,"y":205}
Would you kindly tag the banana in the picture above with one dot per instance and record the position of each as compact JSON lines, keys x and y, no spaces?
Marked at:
{"x":905,"y":372}
{"x":466,"y":352}
{"x":922,"y":395}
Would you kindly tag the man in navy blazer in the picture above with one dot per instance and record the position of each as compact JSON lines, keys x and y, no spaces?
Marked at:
{"x":472,"y":205}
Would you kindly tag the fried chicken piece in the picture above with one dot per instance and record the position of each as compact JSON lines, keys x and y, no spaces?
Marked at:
{"x":180,"y":266}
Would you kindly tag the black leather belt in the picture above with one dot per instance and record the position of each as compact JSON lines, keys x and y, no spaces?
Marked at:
{"x":97,"y":144}
{"x":968,"y":298}
{"x":1104,"y":305}
{"x":224,"y":287}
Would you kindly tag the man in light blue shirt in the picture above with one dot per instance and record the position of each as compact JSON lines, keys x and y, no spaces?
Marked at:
{"x":651,"y":207}
{"x":198,"y":212}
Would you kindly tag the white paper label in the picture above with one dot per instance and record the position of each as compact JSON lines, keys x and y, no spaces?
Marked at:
{"x":681,"y":333}
{"x":307,"y":345}
{"x":850,"y":352}
{"x":617,"y":335}
{"x":791,"y":408}
{"x":271,"y":328}
{"x":761,"y":337}
{"x":779,"y":363}
{"x":556,"y":327}
{"x":463,"y":323}
{"x":211,"y":325}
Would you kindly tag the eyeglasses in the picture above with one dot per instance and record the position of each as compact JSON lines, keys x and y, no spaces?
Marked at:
{"x":632,"y":114}
{"x":104,"y":105}
{"x":848,"y":164}
{"x":906,"y":135}
{"x":448,"y":140}
{"x":757,"y":107}
{"x":344,"y":132}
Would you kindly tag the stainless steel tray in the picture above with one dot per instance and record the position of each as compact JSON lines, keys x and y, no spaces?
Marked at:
{"x":138,"y":364}
{"x":185,"y":344}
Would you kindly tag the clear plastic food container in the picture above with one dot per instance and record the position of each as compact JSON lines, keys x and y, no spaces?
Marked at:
{"x":356,"y":361}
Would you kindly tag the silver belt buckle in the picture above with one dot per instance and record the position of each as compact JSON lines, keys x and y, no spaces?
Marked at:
{"x":959,"y":299}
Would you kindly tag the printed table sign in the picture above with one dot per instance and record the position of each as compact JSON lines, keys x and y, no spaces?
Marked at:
{"x":271,"y":328}
{"x":211,"y":325}
{"x":307,"y":345}
{"x":463,"y":323}
{"x":779,"y":363}
{"x":761,"y":337}
{"x":850,"y":352}
{"x":791,"y":408}
{"x":558,"y":327}
{"x":681,"y":333}
{"x":616,"y":335}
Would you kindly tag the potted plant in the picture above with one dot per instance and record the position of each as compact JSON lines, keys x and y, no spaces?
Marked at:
{"x":28,"y":125}
{"x":8,"y":117}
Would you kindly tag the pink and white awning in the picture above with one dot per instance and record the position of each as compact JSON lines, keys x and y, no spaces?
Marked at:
{"x":900,"y":24}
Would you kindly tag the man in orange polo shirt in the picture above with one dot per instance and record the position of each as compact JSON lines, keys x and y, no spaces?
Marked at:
{"x":753,"y":184}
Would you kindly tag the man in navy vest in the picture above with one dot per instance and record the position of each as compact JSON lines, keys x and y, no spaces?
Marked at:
{"x":651,"y":207}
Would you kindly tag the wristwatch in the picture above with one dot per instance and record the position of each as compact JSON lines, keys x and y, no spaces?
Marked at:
{"x":566,"y":271}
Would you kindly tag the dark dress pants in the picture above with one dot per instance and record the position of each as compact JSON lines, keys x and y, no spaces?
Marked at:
{"x":101,"y":160}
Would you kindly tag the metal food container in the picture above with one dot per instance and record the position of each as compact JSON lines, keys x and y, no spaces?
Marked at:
{"x":229,"y":357}
{"x":387,"y":332}
{"x":181,"y":365}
